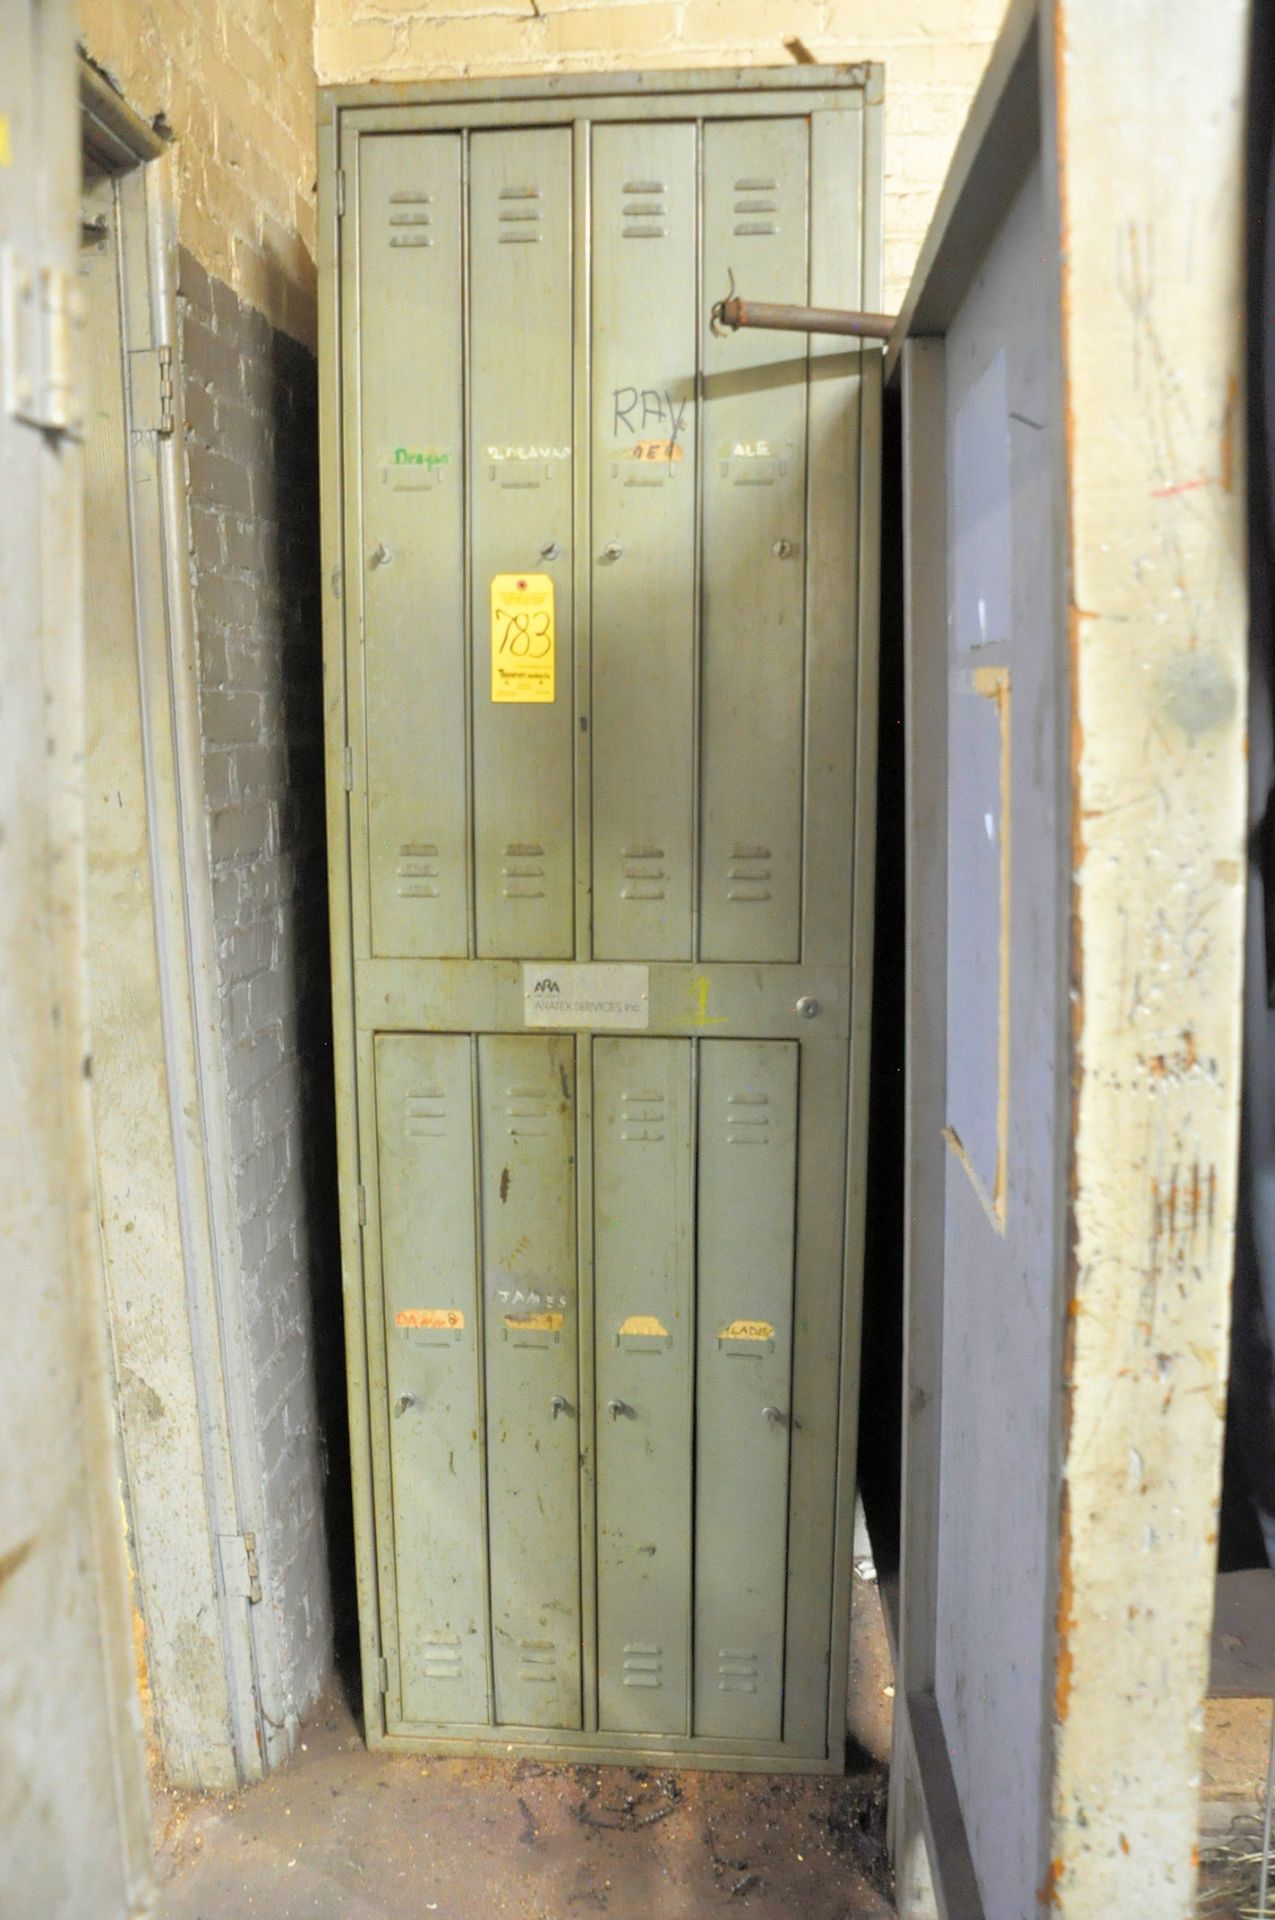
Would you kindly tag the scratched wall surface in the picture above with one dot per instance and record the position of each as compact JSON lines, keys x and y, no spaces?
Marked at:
{"x":934,"y":53}
{"x":1152,"y":351}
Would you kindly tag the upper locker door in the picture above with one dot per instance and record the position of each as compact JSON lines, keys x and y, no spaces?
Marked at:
{"x":520,"y":361}
{"x":412,"y":540}
{"x":643,"y":450}
{"x":754,"y":631}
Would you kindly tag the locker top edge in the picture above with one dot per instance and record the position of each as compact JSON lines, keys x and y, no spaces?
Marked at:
{"x":865,"y":77}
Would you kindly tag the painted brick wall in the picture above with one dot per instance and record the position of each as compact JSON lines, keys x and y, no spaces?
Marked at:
{"x":934,"y":53}
{"x":251,"y":447}
{"x":233,"y":80}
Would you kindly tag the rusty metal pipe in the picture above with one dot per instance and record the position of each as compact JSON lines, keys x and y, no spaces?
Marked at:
{"x":732,"y":313}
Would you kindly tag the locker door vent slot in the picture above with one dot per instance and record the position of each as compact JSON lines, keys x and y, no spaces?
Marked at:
{"x":538,"y":1662}
{"x":747,"y":1124}
{"x":441,"y":1657}
{"x":748,"y":874}
{"x":738,"y":1671}
{"x":417,"y":871}
{"x":520,"y":222}
{"x":528,"y":1112}
{"x":418,"y":221}
{"x":643,"y":875}
{"x":523,"y":873}
{"x":642,"y":1116}
{"x":750,"y":203}
{"x":643,"y":1666}
{"x":426,"y":1115}
{"x":645,"y":208}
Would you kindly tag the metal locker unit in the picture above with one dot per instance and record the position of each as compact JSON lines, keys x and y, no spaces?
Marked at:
{"x":600,"y":679}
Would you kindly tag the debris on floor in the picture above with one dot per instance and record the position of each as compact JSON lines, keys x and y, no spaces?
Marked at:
{"x":345,"y":1834}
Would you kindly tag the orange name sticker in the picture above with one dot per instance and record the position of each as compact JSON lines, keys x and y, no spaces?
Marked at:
{"x":429,"y":1317}
{"x":659,"y":450}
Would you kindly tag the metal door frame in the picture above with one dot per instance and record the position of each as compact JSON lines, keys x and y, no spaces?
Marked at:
{"x":225,"y":1513}
{"x":469,"y":995}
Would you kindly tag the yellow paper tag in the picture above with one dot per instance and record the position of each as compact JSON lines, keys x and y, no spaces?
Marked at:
{"x":748,"y":1330}
{"x":449,"y":1317}
{"x":522,"y":637}
{"x":534,"y":1322}
{"x":6,"y":142}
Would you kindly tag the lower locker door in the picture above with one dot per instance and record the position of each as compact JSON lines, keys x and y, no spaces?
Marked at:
{"x":425,"y":1136}
{"x":643,"y":1315}
{"x":527,"y":1108}
{"x":746,"y":1228}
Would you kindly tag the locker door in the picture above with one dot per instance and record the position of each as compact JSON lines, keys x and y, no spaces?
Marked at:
{"x":746,"y":1220}
{"x":424,"y":1127}
{"x":527,"y":1104}
{"x":413,"y":540}
{"x":642,"y":1264}
{"x":643,"y":451}
{"x":520,"y":361}
{"x":754,"y":643}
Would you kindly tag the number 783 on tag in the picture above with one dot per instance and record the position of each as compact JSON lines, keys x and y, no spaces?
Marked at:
{"x":523,"y":639}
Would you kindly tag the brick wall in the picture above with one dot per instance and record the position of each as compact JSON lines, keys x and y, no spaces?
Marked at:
{"x":233,"y":81}
{"x":934,"y":53}
{"x":251,"y":440}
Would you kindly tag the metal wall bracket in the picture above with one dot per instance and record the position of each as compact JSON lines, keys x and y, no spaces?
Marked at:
{"x":40,"y":309}
{"x":239,"y":1569}
{"x":150,"y":390}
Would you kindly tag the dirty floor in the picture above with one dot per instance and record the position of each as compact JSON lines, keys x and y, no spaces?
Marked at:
{"x":344,"y":1834}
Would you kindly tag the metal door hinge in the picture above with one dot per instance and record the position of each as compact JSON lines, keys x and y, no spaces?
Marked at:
{"x":239,"y":1569}
{"x":383,"y":1674}
{"x":349,"y":770}
{"x":40,"y":310}
{"x":150,"y":390}
{"x":362,"y":1193}
{"x":340,"y":192}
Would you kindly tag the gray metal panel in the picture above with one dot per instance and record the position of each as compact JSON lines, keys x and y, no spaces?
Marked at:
{"x":527,"y":1109}
{"x":411,"y":464}
{"x":745,"y":1238}
{"x":520,"y":476}
{"x":998,"y":1302}
{"x":425,"y":1143}
{"x":756,"y":220}
{"x":645,"y":326}
{"x":643,"y":1260}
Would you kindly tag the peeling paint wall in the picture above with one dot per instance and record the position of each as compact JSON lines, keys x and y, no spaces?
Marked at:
{"x":1152,"y":265}
{"x":934,"y":53}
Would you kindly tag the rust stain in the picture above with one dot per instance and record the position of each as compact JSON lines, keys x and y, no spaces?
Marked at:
{"x":504,"y":1183}
{"x":1124,"y":1844}
{"x":1066,"y":1615}
{"x":1048,"y":1895}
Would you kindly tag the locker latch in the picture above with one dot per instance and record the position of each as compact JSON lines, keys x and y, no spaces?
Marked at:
{"x":40,"y":309}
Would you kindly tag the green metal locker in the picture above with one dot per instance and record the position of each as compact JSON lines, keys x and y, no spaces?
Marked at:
{"x":600,"y":685}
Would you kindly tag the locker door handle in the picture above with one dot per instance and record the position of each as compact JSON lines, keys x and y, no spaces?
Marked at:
{"x":776,"y":1416}
{"x":617,"y":1407}
{"x":559,"y":1404}
{"x":404,"y":1401}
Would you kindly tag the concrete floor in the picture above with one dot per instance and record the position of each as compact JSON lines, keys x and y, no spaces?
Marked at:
{"x":344,"y":1834}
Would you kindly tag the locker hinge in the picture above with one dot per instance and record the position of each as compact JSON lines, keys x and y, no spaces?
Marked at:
{"x":239,"y":1570}
{"x":362,"y":1196}
{"x":340,"y":192}
{"x":40,"y":310}
{"x":383,"y":1674}
{"x":150,"y":390}
{"x":349,"y":770}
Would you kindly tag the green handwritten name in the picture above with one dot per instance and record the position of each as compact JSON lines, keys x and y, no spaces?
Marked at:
{"x":420,"y":457}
